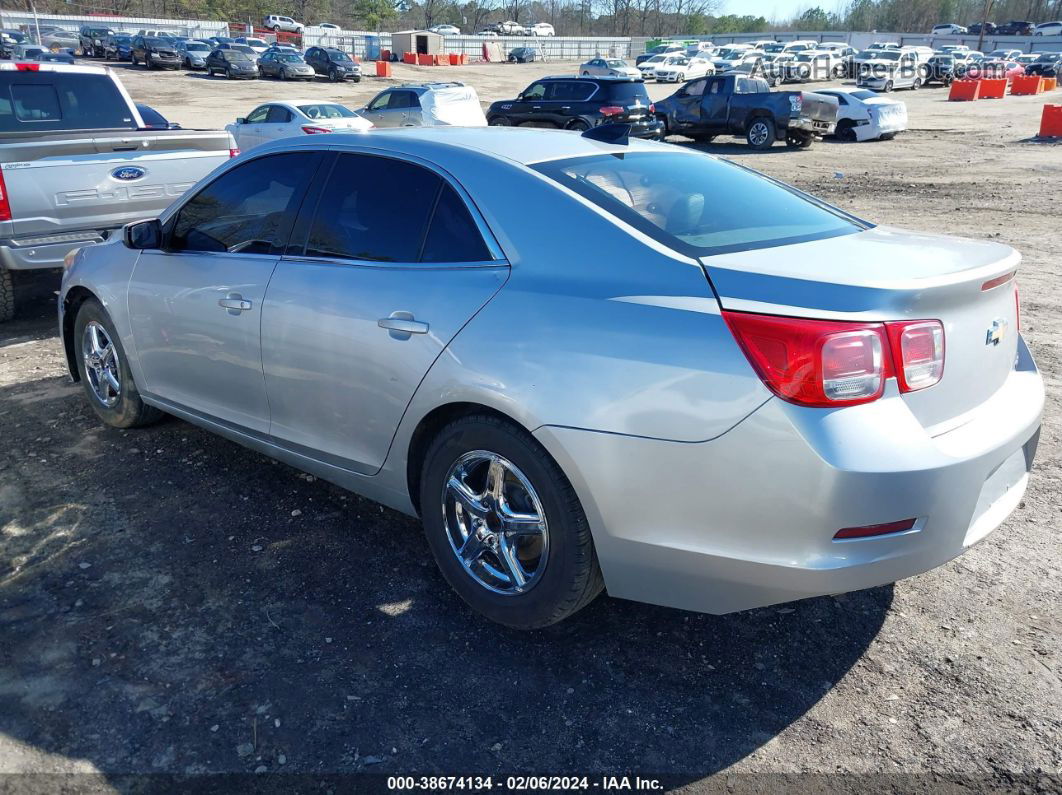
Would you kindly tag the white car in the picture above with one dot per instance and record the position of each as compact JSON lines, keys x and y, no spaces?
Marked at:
{"x":1048,"y":29}
{"x":278,"y":23}
{"x":446,"y":30}
{"x":731,"y":57}
{"x":679,"y":69}
{"x":649,"y":66}
{"x":1003,"y":55}
{"x":510,"y":28}
{"x":949,"y":29}
{"x":865,"y":116}
{"x":488,"y":34}
{"x":289,"y":118}
{"x":608,"y":67}
{"x":258,"y":45}
{"x":542,"y":29}
{"x":327,"y":26}
{"x":884,"y":45}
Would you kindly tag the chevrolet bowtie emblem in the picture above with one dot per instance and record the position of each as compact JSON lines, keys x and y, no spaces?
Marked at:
{"x":996,"y":332}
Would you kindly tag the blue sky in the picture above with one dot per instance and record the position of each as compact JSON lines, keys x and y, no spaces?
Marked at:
{"x":781,"y":9}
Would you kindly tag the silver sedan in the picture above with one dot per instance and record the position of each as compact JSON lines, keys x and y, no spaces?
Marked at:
{"x":608,"y":67}
{"x":617,"y":382}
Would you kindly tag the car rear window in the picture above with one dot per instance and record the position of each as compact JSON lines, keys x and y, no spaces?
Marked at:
{"x":44,"y":101}
{"x":699,"y":205}
{"x":625,"y":92}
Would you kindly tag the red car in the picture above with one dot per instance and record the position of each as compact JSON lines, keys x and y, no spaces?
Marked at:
{"x":994,"y":70}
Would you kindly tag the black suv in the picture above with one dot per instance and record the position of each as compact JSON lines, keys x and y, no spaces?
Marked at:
{"x":154,"y":53}
{"x":1049,"y":64}
{"x":335,"y":64}
{"x":92,"y":40}
{"x":1016,"y":27}
{"x":579,"y":103}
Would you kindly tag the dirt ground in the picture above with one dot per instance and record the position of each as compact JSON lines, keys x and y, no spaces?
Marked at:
{"x":173,"y":603}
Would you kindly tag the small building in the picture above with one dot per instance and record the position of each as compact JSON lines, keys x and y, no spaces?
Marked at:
{"x":421,"y":42}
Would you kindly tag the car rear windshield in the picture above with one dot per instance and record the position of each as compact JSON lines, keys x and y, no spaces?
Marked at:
{"x":625,"y":92}
{"x":327,"y":110}
{"x":45,"y":101}
{"x":699,"y":205}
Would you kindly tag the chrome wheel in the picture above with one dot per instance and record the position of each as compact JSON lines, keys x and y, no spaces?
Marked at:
{"x":495,"y":523}
{"x":102,"y":367}
{"x":758,"y":133}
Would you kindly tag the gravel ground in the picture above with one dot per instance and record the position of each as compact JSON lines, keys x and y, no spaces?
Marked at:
{"x":173,"y":603}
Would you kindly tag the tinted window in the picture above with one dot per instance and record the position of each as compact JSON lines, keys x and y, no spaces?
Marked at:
{"x":572,"y":91}
{"x":696,"y":88}
{"x":327,"y":111}
{"x":624,"y":93}
{"x":247,"y":210}
{"x":698,"y":205}
{"x":278,"y":115}
{"x":373,"y":208}
{"x":41,"y":101}
{"x":452,"y":235}
{"x":402,"y":99}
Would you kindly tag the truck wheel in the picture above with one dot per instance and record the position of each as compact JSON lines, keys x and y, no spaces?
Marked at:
{"x":760,"y":133}
{"x":846,"y":131}
{"x":7,"y":296}
{"x":799,"y":140}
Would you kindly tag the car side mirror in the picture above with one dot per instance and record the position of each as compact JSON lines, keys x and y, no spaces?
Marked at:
{"x":143,"y":234}
{"x":241,"y":120}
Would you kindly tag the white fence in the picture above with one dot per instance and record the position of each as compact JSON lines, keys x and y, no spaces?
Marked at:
{"x":21,"y":20}
{"x":555,"y":48}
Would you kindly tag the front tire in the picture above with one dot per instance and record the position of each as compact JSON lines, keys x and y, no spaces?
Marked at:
{"x":333,"y":76}
{"x":888,"y":86}
{"x":505,"y":525}
{"x":104,"y":370}
{"x":799,"y":140}
{"x":499,"y":121}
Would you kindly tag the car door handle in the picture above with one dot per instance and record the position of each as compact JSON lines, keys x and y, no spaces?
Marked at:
{"x":234,"y":303}
{"x":403,"y":323}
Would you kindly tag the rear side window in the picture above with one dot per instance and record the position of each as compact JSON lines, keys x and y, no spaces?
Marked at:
{"x":44,"y":101}
{"x":698,"y":205}
{"x":248,"y":210}
{"x":573,"y":91}
{"x":379,"y":209}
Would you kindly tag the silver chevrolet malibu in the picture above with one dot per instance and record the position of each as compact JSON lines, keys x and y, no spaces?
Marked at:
{"x":584,"y":365}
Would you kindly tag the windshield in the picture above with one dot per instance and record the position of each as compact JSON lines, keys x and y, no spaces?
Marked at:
{"x":677,"y":201}
{"x":1048,"y":58}
{"x":327,"y":111}
{"x":122,"y":39}
{"x":773,"y":47}
{"x":255,"y":43}
{"x":656,"y":59}
{"x":195,"y":47}
{"x":729,"y":55}
{"x":887,"y":55}
{"x":235,"y":55}
{"x":677,"y":61}
{"x":615,"y":64}
{"x":156,"y":43}
{"x":339,"y":56}
{"x":287,"y":57}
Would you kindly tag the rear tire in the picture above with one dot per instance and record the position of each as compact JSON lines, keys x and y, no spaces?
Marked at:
{"x":917,"y":84}
{"x":127,"y":410}
{"x":799,"y":140}
{"x":760,"y":134}
{"x":578,"y":125}
{"x":7,"y":296}
{"x":565,"y":576}
{"x":846,"y":131}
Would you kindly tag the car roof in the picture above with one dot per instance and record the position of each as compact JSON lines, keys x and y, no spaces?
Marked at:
{"x":513,"y":144}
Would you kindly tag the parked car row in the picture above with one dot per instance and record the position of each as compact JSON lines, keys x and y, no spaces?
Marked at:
{"x":1015,"y":27}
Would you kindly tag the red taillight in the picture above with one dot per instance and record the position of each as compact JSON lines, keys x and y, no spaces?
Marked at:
{"x":611,"y":110}
{"x":827,"y":363}
{"x":652,"y":108}
{"x":5,"y":200}
{"x":991,"y":283}
{"x":28,"y":67}
{"x":918,"y":353}
{"x":875,"y":529}
{"x":315,"y":130}
{"x":234,"y":152}
{"x":814,"y":362}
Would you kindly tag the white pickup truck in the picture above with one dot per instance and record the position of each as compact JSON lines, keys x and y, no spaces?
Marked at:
{"x":77,"y":163}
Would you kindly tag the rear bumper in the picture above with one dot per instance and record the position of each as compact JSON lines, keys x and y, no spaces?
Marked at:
{"x":653,"y":130}
{"x":18,"y":255}
{"x":748,"y":519}
{"x":815,"y":126}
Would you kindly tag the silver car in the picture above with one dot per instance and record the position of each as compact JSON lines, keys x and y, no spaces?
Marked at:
{"x":615,"y":382}
{"x":608,"y":67}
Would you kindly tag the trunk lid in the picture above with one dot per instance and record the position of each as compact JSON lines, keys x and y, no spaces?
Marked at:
{"x":817,"y":107}
{"x":883,"y":274}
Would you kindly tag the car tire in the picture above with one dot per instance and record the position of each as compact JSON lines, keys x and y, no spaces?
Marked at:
{"x":566,"y":575}
{"x":887,"y":136}
{"x":578,"y":125}
{"x":760,"y":134}
{"x":283,"y":75}
{"x":132,"y":60}
{"x":356,"y":79}
{"x":229,"y":75}
{"x":846,"y":131}
{"x":276,"y":28}
{"x":888,"y":86}
{"x":333,"y":76}
{"x":7,"y":296}
{"x":774,"y":82}
{"x":499,"y":121}
{"x":703,"y":139}
{"x":799,"y":140}
{"x":128,"y":410}
{"x":916,"y":84}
